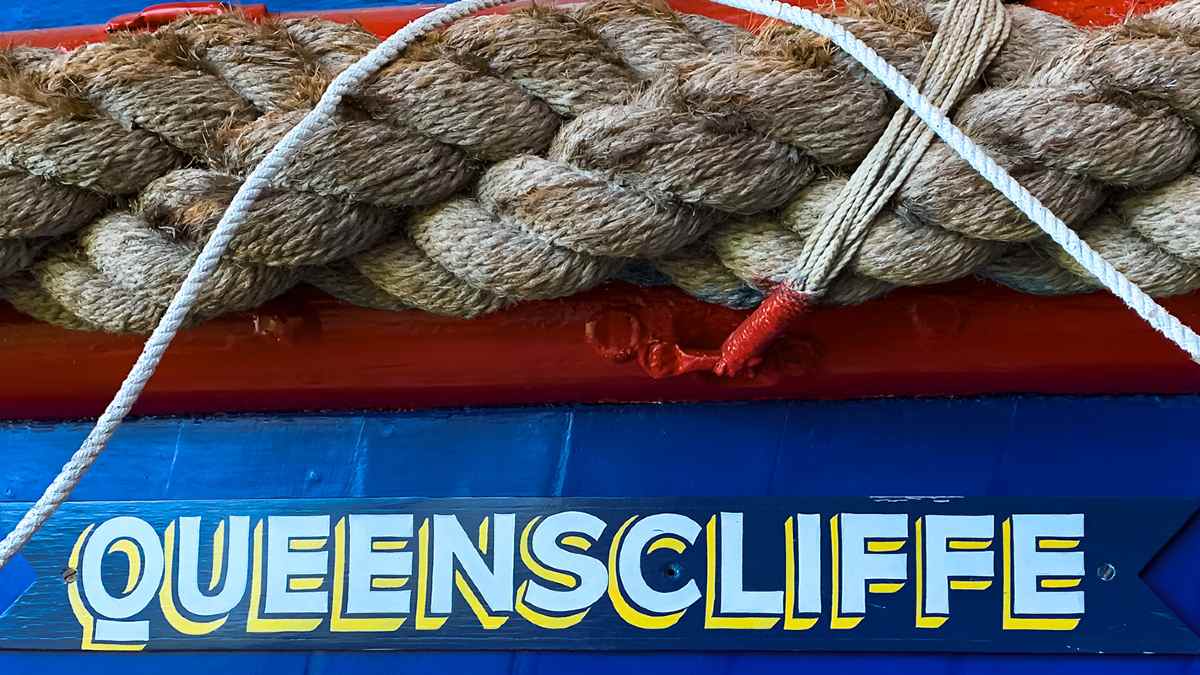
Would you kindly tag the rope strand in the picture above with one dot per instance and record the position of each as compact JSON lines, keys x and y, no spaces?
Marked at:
{"x":346,"y":84}
{"x":735,"y":356}
{"x":1153,"y":313}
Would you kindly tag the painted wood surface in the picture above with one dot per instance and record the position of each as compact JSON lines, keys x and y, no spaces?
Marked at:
{"x":306,"y":351}
{"x":1026,"y":447}
{"x":968,"y":575}
{"x":787,"y":573}
{"x":26,"y":14}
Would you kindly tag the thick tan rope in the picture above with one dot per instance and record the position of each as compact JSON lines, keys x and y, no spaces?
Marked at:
{"x":531,"y":155}
{"x":966,"y":42}
{"x":1077,"y":157}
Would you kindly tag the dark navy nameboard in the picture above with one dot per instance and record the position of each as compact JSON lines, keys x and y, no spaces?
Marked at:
{"x":847,"y":574}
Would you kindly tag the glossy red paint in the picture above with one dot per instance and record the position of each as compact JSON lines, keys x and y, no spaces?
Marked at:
{"x":161,"y":14}
{"x":1100,"y":13}
{"x":306,"y":351}
{"x":779,"y":312}
{"x":381,"y":21}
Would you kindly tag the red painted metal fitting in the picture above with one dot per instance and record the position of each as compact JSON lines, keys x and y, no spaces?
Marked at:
{"x":650,"y":336}
{"x":743,"y":348}
{"x":155,"y":16}
{"x":662,"y":359}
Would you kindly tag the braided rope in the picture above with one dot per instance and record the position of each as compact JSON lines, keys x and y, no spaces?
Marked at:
{"x":763,"y":325}
{"x":346,"y":84}
{"x":966,"y":43}
{"x":271,"y":153}
{"x":381,"y":210}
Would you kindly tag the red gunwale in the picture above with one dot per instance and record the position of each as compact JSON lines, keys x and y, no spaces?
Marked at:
{"x":307,"y":351}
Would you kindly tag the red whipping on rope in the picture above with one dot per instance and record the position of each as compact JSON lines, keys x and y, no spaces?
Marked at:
{"x":784,"y":305}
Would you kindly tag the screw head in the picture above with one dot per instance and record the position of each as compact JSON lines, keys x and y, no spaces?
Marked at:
{"x":1106,"y":572}
{"x":672,"y":570}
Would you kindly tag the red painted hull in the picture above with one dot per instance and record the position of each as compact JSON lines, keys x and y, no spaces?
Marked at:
{"x":306,"y":351}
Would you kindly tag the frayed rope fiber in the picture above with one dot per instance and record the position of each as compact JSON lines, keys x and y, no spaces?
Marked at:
{"x":709,"y":131}
{"x":534,"y":154}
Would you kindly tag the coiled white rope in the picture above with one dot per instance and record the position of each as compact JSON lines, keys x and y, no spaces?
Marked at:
{"x":351,"y":79}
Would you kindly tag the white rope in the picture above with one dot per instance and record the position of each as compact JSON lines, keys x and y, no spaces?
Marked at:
{"x":1153,"y":313}
{"x":347,"y":83}
{"x":353,"y":77}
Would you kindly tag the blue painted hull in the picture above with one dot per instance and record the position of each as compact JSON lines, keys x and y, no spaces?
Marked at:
{"x":1004,"y":446}
{"x":26,"y":14}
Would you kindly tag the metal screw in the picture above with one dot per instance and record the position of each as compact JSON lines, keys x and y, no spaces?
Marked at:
{"x":68,"y":575}
{"x":1106,"y":572}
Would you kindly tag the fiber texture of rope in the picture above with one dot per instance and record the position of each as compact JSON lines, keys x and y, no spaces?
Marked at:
{"x":534,"y":154}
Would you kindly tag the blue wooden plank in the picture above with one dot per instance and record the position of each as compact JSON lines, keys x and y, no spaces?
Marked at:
{"x":27,"y":14}
{"x":503,"y":453}
{"x":320,"y":456}
{"x":848,"y":664}
{"x":1134,"y":446}
{"x":33,"y":454}
{"x":985,"y":446}
{"x":379,"y":663}
{"x":15,"y":579}
{"x":1122,"y":617}
{"x":678,"y":451}
{"x":183,"y":663}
